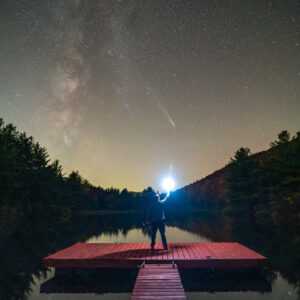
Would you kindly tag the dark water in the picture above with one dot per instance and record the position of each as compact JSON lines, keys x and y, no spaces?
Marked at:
{"x":25,"y":248}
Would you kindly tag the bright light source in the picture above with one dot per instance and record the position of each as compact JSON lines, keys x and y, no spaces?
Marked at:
{"x":168,"y":184}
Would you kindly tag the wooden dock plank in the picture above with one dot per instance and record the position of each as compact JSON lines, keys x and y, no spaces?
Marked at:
{"x":197,"y":255}
{"x":186,"y":252}
{"x":147,"y":251}
{"x":175,"y":251}
{"x":160,"y":255}
{"x":140,"y":248}
{"x":158,"y":282}
{"x":129,"y":255}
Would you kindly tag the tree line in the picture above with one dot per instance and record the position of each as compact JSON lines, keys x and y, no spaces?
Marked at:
{"x":267,"y":186}
{"x":30,"y":184}
{"x":264,"y":203}
{"x":263,"y":184}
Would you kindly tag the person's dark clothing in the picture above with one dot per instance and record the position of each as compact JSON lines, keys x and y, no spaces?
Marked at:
{"x":156,"y":211}
{"x":156,"y":216}
{"x":160,"y":225}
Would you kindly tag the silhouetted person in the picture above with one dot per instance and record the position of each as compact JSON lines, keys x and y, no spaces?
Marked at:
{"x":156,"y":216}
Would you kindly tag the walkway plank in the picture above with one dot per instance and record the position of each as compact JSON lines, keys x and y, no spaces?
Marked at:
{"x":158,"y":282}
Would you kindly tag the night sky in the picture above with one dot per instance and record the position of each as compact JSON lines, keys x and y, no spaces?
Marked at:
{"x":126,"y":92}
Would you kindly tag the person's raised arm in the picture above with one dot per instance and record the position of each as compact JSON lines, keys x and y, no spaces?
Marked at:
{"x":168,"y":194}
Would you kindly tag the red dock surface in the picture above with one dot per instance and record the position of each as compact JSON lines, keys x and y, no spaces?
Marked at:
{"x":129,"y":255}
{"x":158,"y":282}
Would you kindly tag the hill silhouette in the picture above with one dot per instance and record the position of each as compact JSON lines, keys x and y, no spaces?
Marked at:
{"x":215,"y":190}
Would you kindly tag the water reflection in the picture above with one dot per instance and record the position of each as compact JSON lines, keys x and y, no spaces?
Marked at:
{"x":22,"y":276}
{"x":173,"y":234}
{"x":98,"y":281}
{"x":102,"y":281}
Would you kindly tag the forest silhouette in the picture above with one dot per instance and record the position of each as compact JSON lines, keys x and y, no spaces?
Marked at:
{"x":265,"y":185}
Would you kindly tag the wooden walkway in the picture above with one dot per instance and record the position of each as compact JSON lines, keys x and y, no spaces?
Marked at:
{"x":130,"y":255}
{"x":158,"y":282}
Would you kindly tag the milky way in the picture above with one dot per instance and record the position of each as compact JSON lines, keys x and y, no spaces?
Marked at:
{"x":122,"y":90}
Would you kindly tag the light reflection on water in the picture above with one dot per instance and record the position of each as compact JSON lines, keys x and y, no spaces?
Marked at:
{"x":173,"y":234}
{"x":280,"y":288}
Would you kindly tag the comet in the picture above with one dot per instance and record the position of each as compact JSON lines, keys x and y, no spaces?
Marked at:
{"x":166,"y":114}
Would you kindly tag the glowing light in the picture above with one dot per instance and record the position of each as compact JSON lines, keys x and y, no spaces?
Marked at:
{"x":168,"y":184}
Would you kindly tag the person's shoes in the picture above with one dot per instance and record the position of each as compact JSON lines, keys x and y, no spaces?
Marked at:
{"x":166,"y":247}
{"x":152,"y":248}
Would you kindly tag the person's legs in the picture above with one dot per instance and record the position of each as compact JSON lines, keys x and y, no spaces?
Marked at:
{"x":162,"y":233}
{"x":154,"y":226}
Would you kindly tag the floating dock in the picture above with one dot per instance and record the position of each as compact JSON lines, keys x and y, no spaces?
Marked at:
{"x":158,"y":276}
{"x":130,"y":255}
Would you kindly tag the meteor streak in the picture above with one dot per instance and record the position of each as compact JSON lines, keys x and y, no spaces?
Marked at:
{"x":166,"y":114}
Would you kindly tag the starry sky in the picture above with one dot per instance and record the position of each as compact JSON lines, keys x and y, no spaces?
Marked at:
{"x":127,"y":92}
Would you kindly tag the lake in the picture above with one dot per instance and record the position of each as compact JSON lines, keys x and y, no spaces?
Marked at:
{"x":35,"y":240}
